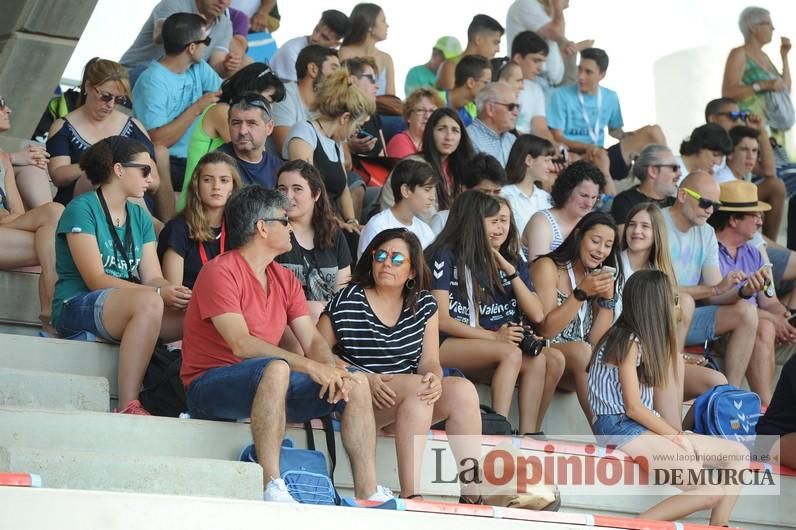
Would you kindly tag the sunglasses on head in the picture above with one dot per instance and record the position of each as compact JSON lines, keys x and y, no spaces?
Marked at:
{"x":253,"y":100}
{"x":146,"y":169}
{"x":701,"y":201}
{"x":107,"y":97}
{"x":284,"y":221}
{"x":736,"y":115}
{"x":396,"y":258}
{"x":205,"y":41}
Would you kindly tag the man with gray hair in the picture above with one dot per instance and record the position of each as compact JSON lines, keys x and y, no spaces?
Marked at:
{"x":250,"y":125}
{"x":232,"y":366}
{"x":490,"y":132}
{"x":658,"y":173}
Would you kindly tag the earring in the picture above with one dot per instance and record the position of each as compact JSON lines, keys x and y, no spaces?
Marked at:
{"x":410,"y":284}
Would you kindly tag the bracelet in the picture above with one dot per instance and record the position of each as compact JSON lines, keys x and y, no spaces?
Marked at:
{"x":512,"y":276}
{"x":715,"y":290}
{"x":606,"y":303}
{"x":352,"y":221}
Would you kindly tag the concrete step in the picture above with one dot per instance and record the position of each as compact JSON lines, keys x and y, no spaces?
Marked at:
{"x":19,"y":302}
{"x":34,"y":389}
{"x":103,"y":471}
{"x":63,"y":356}
{"x":79,"y":510}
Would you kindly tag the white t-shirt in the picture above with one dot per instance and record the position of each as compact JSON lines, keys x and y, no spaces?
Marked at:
{"x":384,"y":220}
{"x":439,"y":220}
{"x":283,"y":62}
{"x":524,"y":206}
{"x":532,"y":104}
{"x":249,"y":7}
{"x":529,"y":15}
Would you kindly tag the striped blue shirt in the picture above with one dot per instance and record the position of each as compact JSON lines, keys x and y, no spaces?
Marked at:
{"x":605,"y":391}
{"x":365,"y":342}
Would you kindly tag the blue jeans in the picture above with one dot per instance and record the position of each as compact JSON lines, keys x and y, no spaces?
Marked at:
{"x":616,"y":429}
{"x":227,"y":393}
{"x":83,"y":312}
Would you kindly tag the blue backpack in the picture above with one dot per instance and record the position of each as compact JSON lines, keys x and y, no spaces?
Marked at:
{"x":729,"y":412}
{"x":304,"y":471}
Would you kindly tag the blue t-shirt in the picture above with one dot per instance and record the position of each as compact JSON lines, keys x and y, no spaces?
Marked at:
{"x":262,"y":173}
{"x":500,"y":309}
{"x":565,"y":112}
{"x":160,"y":96}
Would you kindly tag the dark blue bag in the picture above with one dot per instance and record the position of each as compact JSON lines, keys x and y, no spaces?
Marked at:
{"x":729,"y":412}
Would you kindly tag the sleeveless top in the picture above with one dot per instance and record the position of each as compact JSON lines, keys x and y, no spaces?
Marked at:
{"x":333,"y":173}
{"x":68,"y":142}
{"x":382,"y":82}
{"x":198,"y":146}
{"x":579,"y":327}
{"x":557,"y":238}
{"x":605,"y":390}
{"x":754,"y":73}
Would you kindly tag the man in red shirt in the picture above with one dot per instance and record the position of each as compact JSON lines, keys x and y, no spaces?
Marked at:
{"x":232,"y":367}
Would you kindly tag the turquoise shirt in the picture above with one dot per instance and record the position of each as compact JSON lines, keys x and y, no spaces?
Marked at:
{"x":419,"y":77}
{"x":84,"y":215}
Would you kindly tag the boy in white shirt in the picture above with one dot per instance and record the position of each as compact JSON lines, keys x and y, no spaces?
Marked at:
{"x":413,"y":186}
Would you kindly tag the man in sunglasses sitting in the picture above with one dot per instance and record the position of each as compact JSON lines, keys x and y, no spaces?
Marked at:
{"x":173,"y":91}
{"x":232,"y":365}
{"x":490,"y":132}
{"x":695,"y":258}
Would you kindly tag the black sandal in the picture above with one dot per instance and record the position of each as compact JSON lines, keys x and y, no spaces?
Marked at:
{"x":468,"y":499}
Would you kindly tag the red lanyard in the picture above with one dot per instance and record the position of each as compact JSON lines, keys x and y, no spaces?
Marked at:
{"x":203,"y":254}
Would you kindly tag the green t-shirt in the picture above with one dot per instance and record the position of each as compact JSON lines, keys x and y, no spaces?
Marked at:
{"x":84,"y":215}
{"x":419,"y":77}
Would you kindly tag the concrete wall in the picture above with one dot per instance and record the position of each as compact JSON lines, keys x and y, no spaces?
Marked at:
{"x":37,"y":38}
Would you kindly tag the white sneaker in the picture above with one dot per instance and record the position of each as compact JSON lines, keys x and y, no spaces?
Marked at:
{"x":276,"y":491}
{"x":382,"y":494}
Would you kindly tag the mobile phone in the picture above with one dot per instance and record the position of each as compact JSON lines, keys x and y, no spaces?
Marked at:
{"x":605,"y":268}
{"x":364,"y":135}
{"x":769,"y":290}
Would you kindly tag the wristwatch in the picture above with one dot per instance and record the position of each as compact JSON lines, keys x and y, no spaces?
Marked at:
{"x":579,"y":294}
{"x":756,"y":87}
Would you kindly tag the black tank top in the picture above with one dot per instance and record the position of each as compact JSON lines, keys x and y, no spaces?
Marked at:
{"x":333,"y":173}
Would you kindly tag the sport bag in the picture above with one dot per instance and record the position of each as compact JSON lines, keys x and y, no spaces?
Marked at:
{"x":729,"y":412}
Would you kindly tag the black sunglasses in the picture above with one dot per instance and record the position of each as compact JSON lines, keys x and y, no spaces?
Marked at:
{"x":701,"y":201}
{"x":108,"y":97}
{"x":253,"y":100}
{"x":145,"y":168}
{"x":205,"y":41}
{"x":284,"y":221}
{"x":369,"y":77}
{"x":509,"y":106}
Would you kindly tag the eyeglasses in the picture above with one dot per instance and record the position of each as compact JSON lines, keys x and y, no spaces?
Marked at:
{"x":205,"y":41}
{"x":252,"y":100}
{"x":758,"y":215}
{"x":107,"y":97}
{"x":396,"y":258}
{"x":511,"y":107}
{"x":370,"y":77}
{"x":674,"y":167}
{"x":2,"y":103}
{"x":703,"y":203}
{"x":423,"y":111}
{"x":146,"y":169}
{"x":735,"y":115}
{"x":284,"y":221}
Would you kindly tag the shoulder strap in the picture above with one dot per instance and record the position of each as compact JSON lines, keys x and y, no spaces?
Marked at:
{"x":331,"y":445}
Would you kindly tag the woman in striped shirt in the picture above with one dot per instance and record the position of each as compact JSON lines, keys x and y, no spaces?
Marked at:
{"x":632,"y":358}
{"x":385,"y":323}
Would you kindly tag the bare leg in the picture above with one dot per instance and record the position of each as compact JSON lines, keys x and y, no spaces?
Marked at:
{"x":40,"y":223}
{"x":532,"y":382}
{"x":135,"y":315}
{"x":554,"y":369}
{"x":668,"y":399}
{"x":700,"y":379}
{"x":636,"y":141}
{"x":740,"y":320}
{"x":268,"y":417}
{"x":165,"y":206}
{"x":475,"y":355}
{"x":33,"y":184}
{"x":358,"y":431}
{"x":358,"y":197}
{"x":760,"y":372}
{"x":772,"y":190}
{"x":577,"y":355}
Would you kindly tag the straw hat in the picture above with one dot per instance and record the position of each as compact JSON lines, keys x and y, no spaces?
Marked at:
{"x":741,"y":196}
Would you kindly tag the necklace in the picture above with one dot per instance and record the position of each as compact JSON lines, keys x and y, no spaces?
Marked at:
{"x":322,"y":128}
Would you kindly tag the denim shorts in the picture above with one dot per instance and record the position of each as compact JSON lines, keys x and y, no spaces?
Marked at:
{"x":703,"y":326}
{"x":616,"y":429}
{"x":227,"y":393}
{"x":83,"y":312}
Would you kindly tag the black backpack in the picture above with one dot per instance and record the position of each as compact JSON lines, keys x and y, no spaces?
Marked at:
{"x":164,"y":393}
{"x":491,"y":423}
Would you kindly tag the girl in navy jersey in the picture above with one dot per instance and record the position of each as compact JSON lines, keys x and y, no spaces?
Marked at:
{"x":385,"y":323}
